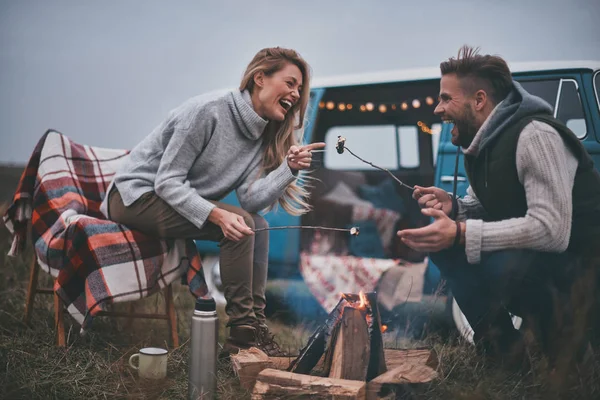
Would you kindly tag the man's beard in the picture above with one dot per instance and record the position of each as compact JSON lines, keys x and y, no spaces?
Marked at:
{"x":466,"y":127}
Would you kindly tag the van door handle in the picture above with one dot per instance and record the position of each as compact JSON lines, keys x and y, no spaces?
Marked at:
{"x":450,"y":179}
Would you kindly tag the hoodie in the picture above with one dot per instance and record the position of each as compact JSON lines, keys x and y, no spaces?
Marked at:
{"x":546,"y":168}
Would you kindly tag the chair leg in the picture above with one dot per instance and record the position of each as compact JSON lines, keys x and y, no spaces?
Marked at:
{"x":31,"y":290}
{"x":172,"y":316}
{"x":59,"y":321}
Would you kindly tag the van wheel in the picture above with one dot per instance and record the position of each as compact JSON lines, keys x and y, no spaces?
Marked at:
{"x":212,"y":276}
{"x":463,"y":326}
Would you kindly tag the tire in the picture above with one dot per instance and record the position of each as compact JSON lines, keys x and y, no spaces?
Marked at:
{"x":212,"y":276}
{"x":463,"y":326}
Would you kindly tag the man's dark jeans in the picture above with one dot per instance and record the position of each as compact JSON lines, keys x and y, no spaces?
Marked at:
{"x":530,"y":284}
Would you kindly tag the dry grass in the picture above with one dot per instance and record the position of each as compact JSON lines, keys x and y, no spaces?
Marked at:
{"x":95,"y":365}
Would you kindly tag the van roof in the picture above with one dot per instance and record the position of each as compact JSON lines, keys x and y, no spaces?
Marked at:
{"x":434,"y":73}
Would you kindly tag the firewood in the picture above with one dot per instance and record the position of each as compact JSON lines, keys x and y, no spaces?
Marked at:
{"x":275,"y":384}
{"x":394,"y":358}
{"x":247,"y":364}
{"x":402,"y":379}
{"x":351,"y":350}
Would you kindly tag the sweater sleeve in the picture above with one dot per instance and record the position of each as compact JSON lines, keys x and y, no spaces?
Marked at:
{"x":257,"y":194}
{"x":469,"y":206}
{"x":546,"y":168}
{"x":190,"y":130}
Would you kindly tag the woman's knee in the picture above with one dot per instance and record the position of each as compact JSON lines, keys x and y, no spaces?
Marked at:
{"x":259,"y":221}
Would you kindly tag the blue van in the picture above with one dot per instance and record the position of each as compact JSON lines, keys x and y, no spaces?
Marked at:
{"x":387,"y":118}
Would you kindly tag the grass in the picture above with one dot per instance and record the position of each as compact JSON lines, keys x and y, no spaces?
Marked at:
{"x":95,"y":366}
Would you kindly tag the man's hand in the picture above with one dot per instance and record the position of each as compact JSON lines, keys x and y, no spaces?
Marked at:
{"x":437,"y":236}
{"x":233,"y":225}
{"x":433,"y":197}
{"x":300,"y":157}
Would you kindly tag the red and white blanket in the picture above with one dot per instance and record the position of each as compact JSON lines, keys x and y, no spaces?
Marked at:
{"x":94,"y":261}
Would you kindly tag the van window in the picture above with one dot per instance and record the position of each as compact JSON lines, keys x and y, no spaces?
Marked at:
{"x":597,"y":88}
{"x":563,"y":96}
{"x":361,"y":140}
{"x":546,"y":89}
{"x":408,"y":141}
{"x":569,"y":108}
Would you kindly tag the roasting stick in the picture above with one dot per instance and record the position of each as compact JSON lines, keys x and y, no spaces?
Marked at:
{"x":341,"y":146}
{"x":354,"y":231}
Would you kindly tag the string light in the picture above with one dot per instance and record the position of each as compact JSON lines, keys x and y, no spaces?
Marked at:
{"x":382,"y":107}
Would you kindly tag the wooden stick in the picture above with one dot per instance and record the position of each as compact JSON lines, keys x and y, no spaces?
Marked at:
{"x":353,"y":231}
{"x":382,"y":169}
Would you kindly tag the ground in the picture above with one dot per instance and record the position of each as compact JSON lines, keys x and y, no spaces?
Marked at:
{"x":96,"y":365}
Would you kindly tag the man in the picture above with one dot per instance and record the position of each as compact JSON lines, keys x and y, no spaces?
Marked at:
{"x":514,"y":240}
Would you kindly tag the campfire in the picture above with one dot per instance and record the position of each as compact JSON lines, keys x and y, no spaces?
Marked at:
{"x":350,"y":341}
{"x":343,"y":359}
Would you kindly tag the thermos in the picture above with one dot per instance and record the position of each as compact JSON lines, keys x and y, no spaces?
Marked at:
{"x":203,"y":350}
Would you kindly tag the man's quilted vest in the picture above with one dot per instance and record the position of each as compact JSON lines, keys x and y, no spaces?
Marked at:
{"x":493,"y":177}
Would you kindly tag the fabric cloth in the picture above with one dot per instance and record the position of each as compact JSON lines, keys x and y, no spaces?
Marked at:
{"x":94,"y":261}
{"x":329,"y":275}
{"x":243,"y":264}
{"x":204,"y":149}
{"x":546,"y":169}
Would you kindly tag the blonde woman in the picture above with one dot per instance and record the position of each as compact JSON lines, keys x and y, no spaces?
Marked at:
{"x":171,"y":183}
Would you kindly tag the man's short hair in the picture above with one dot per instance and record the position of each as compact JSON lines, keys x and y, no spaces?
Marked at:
{"x":477,"y":72}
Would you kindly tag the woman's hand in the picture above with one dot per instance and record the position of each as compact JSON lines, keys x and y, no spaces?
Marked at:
{"x":300,"y":157}
{"x":233,"y":225}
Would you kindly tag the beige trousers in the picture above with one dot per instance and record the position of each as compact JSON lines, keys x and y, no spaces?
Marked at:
{"x":243,"y":264}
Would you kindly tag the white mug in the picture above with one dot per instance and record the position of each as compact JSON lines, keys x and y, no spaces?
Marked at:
{"x":152,"y":363}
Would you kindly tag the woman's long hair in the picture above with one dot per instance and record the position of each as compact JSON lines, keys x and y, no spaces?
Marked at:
{"x":279,"y":136}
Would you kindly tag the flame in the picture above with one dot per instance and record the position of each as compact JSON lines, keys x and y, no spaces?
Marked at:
{"x":384,"y":328}
{"x":363,"y":300}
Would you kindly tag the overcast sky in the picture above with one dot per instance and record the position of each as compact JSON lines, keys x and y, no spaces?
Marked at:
{"x":106,"y":72}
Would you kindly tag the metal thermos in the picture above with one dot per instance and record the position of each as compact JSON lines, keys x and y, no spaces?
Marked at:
{"x":203,"y":350}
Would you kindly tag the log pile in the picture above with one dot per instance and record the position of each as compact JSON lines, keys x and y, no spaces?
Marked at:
{"x":348,"y":355}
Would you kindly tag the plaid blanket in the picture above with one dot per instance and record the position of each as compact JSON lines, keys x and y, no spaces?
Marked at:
{"x":94,"y":261}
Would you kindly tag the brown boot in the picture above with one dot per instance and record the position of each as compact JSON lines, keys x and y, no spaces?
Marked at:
{"x":266,"y":342}
{"x":240,"y":337}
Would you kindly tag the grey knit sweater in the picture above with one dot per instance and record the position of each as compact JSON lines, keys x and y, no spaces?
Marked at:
{"x":205,"y":149}
{"x":546,"y":169}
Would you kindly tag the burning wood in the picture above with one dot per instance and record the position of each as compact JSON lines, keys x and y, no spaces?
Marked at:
{"x":332,"y":329}
{"x":350,"y":347}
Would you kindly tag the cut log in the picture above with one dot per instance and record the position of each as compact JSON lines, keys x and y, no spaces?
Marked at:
{"x":402,"y":379}
{"x":377,"y":362}
{"x":395,"y":358}
{"x":247,"y":364}
{"x":352,"y":347}
{"x":275,"y":384}
{"x":317,"y":343}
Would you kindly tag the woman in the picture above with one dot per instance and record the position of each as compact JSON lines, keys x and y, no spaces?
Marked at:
{"x":170,"y":184}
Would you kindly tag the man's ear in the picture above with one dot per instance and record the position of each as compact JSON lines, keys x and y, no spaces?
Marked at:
{"x":259,"y":79}
{"x":481,"y":100}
